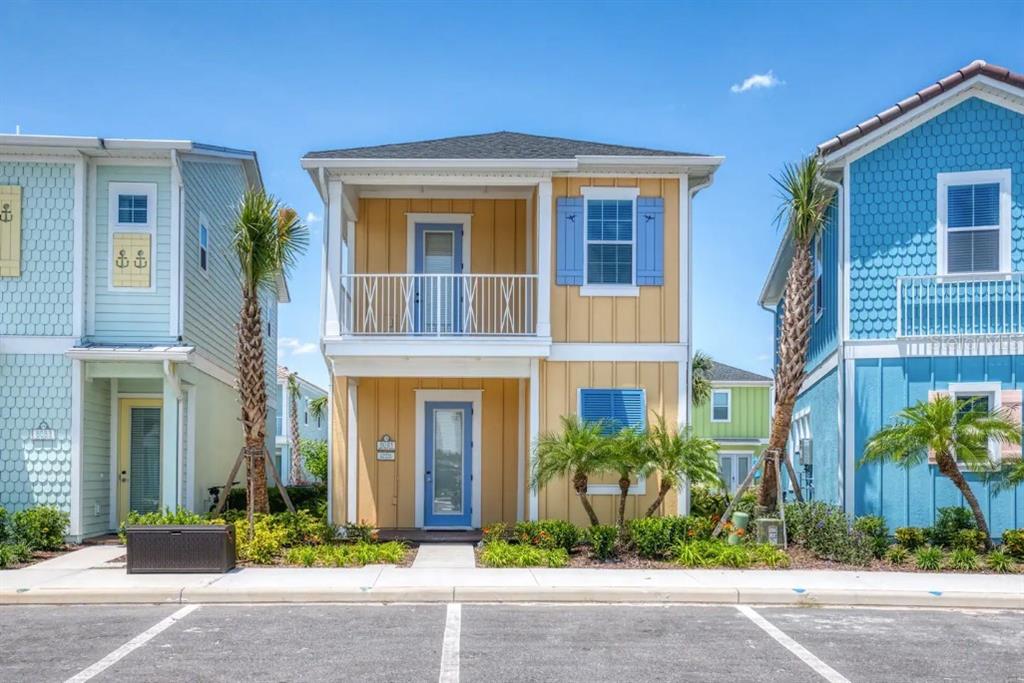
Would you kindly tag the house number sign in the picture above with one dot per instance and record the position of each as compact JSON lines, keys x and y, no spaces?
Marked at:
{"x":43,"y":432}
{"x":386,"y":448}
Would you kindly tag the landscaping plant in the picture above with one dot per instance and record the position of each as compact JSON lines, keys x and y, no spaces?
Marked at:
{"x":949,"y":522}
{"x":603,"y":539}
{"x":957,"y":433}
{"x":268,"y":240}
{"x":875,"y":529}
{"x":314,"y":456}
{"x":897,"y":555}
{"x":504,"y":554}
{"x":999,"y":562}
{"x":547,"y":533}
{"x":911,"y":537}
{"x":806,"y":199}
{"x":630,"y":453}
{"x":701,"y":367}
{"x":825,"y":531}
{"x":578,"y":451}
{"x":40,"y":528}
{"x":928,"y":558}
{"x":1013,"y":543}
{"x":293,"y":429}
{"x":964,"y":560}
{"x":678,"y":457}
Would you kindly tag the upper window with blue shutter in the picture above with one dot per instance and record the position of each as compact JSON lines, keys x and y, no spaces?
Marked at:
{"x":973,"y":222}
{"x":615,"y":409}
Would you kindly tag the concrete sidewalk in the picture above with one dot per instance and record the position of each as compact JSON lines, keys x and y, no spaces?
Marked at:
{"x":88,"y":576}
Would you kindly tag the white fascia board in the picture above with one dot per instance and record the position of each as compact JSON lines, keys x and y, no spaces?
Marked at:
{"x":177,"y":354}
{"x":442,"y":347}
{"x":711,"y":162}
{"x":66,"y":141}
{"x":430,"y":367}
{"x":742,"y":383}
{"x":428,"y":164}
{"x":771,"y":291}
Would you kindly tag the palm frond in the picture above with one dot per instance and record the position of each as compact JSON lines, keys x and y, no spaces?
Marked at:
{"x":268,"y":239}
{"x":681,"y":455}
{"x":805,"y":200}
{"x":700,"y":372}
{"x":317,"y":407}
{"x":581,"y":447}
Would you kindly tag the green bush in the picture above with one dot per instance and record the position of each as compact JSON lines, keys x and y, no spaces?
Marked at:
{"x":654,"y":537}
{"x":897,"y":555}
{"x":971,"y":539}
{"x":179,"y":517}
{"x":825,"y":531}
{"x":14,"y":553}
{"x":361,"y":532}
{"x":711,"y":503}
{"x":999,"y":562}
{"x":356,"y":554}
{"x":874,"y":527}
{"x":770,"y":556}
{"x":312,"y":498}
{"x":314,"y":457}
{"x":950,"y":522}
{"x":928,"y":558}
{"x":964,"y":560}
{"x":504,"y":554}
{"x":911,"y":537}
{"x":40,"y":528}
{"x":268,"y":540}
{"x":718,"y":553}
{"x":1013,"y":543}
{"x":302,"y":527}
{"x":548,"y":533}
{"x":495,"y":532}
{"x":5,"y":532}
{"x":603,"y":539}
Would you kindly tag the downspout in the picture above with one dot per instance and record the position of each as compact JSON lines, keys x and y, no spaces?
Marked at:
{"x":840,"y":340}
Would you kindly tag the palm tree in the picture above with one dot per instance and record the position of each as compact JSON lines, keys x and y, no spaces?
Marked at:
{"x":805,"y":202}
{"x":956,"y":432}
{"x":700,"y":373}
{"x":630,"y":452}
{"x":268,"y":239}
{"x":293,"y":396}
{"x":578,"y":451}
{"x":318,"y":407}
{"x":679,"y":457}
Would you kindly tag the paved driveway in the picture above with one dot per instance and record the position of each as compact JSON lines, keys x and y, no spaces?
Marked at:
{"x":506,"y":643}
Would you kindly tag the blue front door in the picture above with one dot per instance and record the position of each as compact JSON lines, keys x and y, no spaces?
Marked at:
{"x":448,"y":464}
{"x":438,"y":298}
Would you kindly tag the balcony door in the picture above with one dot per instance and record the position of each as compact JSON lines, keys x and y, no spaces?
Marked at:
{"x":438,"y":291}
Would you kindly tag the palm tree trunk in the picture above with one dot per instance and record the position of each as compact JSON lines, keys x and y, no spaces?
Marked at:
{"x":580,"y":483}
{"x":789,"y":375}
{"x":253,"y":393}
{"x":296,"y":470}
{"x":663,"y":490}
{"x":623,"y":495}
{"x":948,"y":468}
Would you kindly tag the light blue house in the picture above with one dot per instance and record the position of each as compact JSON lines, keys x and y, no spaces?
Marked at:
{"x":118,"y":303}
{"x":919,"y":290}
{"x":311,"y":426}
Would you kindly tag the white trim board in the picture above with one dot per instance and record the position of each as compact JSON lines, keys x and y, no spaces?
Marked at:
{"x":474,"y":396}
{"x":36,"y":345}
{"x":1003,"y":177}
{"x":820,"y":371}
{"x":463,"y":219}
{"x":430,"y":366}
{"x":1012,"y":345}
{"x":672,"y":352}
{"x":410,"y":346}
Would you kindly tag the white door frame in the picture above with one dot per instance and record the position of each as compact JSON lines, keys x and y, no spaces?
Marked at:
{"x":735,"y":464}
{"x":474,"y":396}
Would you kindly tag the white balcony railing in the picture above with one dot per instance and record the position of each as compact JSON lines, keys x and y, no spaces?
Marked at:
{"x":438,"y":305}
{"x":960,"y":306}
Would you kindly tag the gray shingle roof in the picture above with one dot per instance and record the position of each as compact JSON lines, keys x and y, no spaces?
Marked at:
{"x":974,"y":69}
{"x":720,"y":372}
{"x":500,"y":145}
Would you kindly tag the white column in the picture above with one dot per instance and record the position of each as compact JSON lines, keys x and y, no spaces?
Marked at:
{"x":534,"y":431}
{"x":685,"y":329}
{"x":78,"y":257}
{"x":76,"y":439}
{"x":544,"y":264}
{"x":170,"y":430}
{"x":334,"y":230}
{"x":177,"y":247}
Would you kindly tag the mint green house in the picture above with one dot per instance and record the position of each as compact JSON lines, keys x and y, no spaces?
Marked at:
{"x":118,"y":303}
{"x":738,"y":417}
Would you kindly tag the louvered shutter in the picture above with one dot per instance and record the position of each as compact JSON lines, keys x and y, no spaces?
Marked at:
{"x":569,"y":241}
{"x":617,"y":408}
{"x":650,"y":241}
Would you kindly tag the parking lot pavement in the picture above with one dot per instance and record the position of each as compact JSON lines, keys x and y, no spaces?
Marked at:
{"x":480,"y":642}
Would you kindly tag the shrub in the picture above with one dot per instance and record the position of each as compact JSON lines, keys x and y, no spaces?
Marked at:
{"x":999,"y":562}
{"x":964,"y":559}
{"x":654,"y":537}
{"x":14,"y":553}
{"x":825,"y":531}
{"x":361,"y":532}
{"x":5,"y":534}
{"x":548,"y":533}
{"x":928,"y":558}
{"x":770,"y":556}
{"x":312,"y":498}
{"x":950,"y":521}
{"x":304,"y":555}
{"x":268,"y":539}
{"x":1013,"y":543}
{"x":874,"y":527}
{"x":911,"y":537}
{"x":602,"y":540}
{"x":971,"y":539}
{"x":495,"y":532}
{"x":346,"y":555}
{"x":706,"y":502}
{"x":179,"y":517}
{"x":718,"y":553}
{"x":694,"y":555}
{"x":303,"y":527}
{"x":40,"y":528}
{"x":897,"y":555}
{"x":505,"y":554}
{"x":314,"y":457}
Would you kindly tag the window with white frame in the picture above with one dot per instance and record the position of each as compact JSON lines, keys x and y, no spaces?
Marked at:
{"x":974,"y":222}
{"x":131,"y":218}
{"x":721,"y":405}
{"x":204,"y":244}
{"x":609,"y":236}
{"x":978,"y":397}
{"x":819,"y":286}
{"x":614,"y":409}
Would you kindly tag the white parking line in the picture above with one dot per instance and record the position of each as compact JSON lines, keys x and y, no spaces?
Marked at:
{"x":133,"y":644}
{"x":450,"y":646}
{"x":826,"y":672}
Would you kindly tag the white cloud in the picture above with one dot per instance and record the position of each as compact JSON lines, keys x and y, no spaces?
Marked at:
{"x":312,"y":218}
{"x":290,"y":346}
{"x":755,"y":81}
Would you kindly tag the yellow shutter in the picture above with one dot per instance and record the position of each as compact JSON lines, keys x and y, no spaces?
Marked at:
{"x":132,"y":260}
{"x":10,"y":231}
{"x":1011,"y":403}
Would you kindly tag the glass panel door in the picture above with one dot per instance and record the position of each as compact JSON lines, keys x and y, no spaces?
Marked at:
{"x":438,"y":293}
{"x":448,"y":464}
{"x":144,"y":467}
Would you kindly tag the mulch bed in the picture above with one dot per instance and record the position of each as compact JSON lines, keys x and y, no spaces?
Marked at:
{"x":40,"y":555}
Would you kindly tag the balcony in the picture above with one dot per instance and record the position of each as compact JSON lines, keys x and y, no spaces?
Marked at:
{"x":438,"y":306}
{"x":951,"y":306}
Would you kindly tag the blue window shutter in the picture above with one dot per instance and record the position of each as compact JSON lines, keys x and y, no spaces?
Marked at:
{"x":650,"y":241}
{"x":569,"y":246}
{"x":617,"y":408}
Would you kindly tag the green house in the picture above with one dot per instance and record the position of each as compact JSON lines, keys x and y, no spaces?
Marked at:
{"x":738,"y":417}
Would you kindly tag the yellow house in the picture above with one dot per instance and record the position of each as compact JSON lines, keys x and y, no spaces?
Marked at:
{"x":476,"y":289}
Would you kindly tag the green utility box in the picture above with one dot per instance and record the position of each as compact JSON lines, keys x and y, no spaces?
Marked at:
{"x":769,"y":530}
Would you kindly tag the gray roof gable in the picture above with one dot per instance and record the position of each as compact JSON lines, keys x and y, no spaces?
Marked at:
{"x":720,"y":372}
{"x":499,"y":145}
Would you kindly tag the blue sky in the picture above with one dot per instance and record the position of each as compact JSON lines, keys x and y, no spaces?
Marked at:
{"x":286,"y":78}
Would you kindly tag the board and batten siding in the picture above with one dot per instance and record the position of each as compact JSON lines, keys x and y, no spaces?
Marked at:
{"x":39,"y":300}
{"x":822,"y":402}
{"x":124,"y":315}
{"x":497,"y":233}
{"x":748,"y":412}
{"x":560,"y":383}
{"x":96,"y":457}
{"x":651,"y":317}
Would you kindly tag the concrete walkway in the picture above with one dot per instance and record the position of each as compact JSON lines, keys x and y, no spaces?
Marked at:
{"x":445,"y":556}
{"x":75,"y":578}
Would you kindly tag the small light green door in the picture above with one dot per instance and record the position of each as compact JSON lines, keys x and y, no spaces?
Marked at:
{"x":139,"y":456}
